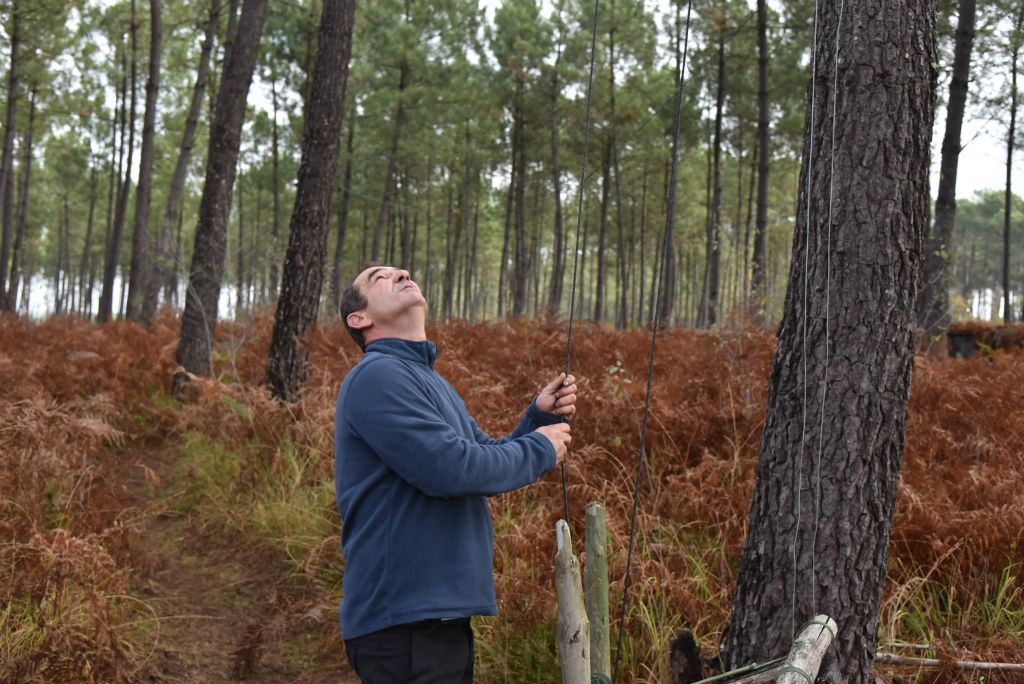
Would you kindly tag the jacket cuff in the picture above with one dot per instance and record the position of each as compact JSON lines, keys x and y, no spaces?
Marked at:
{"x":541,"y":418}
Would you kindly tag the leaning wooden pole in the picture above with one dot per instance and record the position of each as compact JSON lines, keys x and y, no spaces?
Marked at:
{"x":595,"y":589}
{"x":573,"y":628}
{"x":808,"y":650}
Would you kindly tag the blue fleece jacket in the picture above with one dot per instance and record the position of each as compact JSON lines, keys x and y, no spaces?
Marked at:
{"x":412,"y":476}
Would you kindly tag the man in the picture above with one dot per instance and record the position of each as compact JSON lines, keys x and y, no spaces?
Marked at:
{"x":412,"y":476}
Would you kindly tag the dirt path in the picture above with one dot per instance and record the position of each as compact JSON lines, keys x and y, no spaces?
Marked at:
{"x":220,"y":606}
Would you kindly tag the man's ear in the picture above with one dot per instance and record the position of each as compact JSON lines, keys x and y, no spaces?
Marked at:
{"x":359,"y":320}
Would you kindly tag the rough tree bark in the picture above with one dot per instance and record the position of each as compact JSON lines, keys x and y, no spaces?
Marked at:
{"x":141,"y":265}
{"x":935,"y":315}
{"x":303,"y":276}
{"x":862,"y":274}
{"x":200,"y":315}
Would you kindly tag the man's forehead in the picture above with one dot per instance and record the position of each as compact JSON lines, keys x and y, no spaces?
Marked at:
{"x":370,"y":271}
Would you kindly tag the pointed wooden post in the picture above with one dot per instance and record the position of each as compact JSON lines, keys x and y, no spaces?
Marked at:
{"x":573,"y":628}
{"x":595,"y":589}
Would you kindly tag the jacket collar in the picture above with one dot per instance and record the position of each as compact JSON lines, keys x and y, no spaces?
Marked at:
{"x":424,"y":352}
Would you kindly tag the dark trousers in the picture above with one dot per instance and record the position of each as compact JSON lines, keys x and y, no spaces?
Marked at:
{"x":427,"y":652}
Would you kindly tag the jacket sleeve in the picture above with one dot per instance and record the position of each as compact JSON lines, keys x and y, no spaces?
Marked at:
{"x":531,"y":420}
{"x":387,"y":409}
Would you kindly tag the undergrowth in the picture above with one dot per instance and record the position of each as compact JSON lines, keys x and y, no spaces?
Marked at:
{"x":263,"y":472}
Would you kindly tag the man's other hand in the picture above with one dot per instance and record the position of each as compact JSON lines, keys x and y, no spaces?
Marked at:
{"x":559,"y":436}
{"x":559,"y":396}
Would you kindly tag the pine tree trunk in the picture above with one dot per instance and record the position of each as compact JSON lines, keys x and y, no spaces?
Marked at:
{"x":200,"y":315}
{"x":275,"y":180}
{"x":715,"y":220}
{"x":164,"y":252}
{"x":26,"y":177}
{"x":519,"y":271}
{"x":602,"y":233}
{"x":1010,"y":142}
{"x":85,"y":264}
{"x":804,"y":553}
{"x":558,"y":252}
{"x":935,"y":314}
{"x":240,"y":266}
{"x":389,"y":173}
{"x":339,"y":246}
{"x":304,"y":264}
{"x":7,"y":160}
{"x":503,"y":266}
{"x":141,"y":265}
{"x":757,"y":276}
{"x":111,"y":258}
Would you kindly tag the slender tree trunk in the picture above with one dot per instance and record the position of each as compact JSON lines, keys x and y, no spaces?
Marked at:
{"x":757,"y":276}
{"x":390,"y":172}
{"x":602,"y":233}
{"x":111,"y":259}
{"x":451,"y":236}
{"x":935,"y":315}
{"x":240,"y":266}
{"x":339,"y":246}
{"x":821,"y":514}
{"x":558,"y":252}
{"x":1010,"y":142}
{"x":140,"y":271}
{"x":715,"y":221}
{"x":164,"y":255}
{"x":503,"y":267}
{"x":7,"y":160}
{"x":621,"y":319}
{"x":85,"y":264}
{"x":26,"y":177}
{"x":200,"y":315}
{"x":519,"y":272}
{"x":275,"y":170}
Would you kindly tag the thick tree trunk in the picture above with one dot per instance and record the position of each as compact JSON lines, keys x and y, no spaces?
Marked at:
{"x":19,"y":236}
{"x":303,"y":278}
{"x":757,"y":276}
{"x":935,"y":314}
{"x":106,"y":308}
{"x":7,"y":160}
{"x":200,"y":315}
{"x":140,"y":272}
{"x":164,"y":252}
{"x":841,"y":374}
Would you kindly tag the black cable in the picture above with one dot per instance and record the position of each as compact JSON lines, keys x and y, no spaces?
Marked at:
{"x":655,"y":321}
{"x":579,"y":223}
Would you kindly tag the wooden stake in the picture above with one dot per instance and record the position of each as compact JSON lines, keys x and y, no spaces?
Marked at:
{"x":595,"y":589}
{"x":808,"y":650}
{"x":573,"y":628}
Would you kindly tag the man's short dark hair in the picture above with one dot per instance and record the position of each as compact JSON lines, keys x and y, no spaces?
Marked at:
{"x":352,"y":300}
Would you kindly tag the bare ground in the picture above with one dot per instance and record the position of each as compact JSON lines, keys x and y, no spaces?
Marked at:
{"x":219,"y":606}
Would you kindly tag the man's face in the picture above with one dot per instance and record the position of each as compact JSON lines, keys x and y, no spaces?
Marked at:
{"x":390,"y":294}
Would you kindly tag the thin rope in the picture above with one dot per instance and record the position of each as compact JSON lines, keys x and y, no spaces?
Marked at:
{"x":655,"y":320}
{"x":828,"y":287}
{"x":579,"y":223}
{"x":798,"y":472}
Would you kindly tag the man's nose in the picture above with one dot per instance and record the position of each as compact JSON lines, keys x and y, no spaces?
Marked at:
{"x":402,"y":274}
